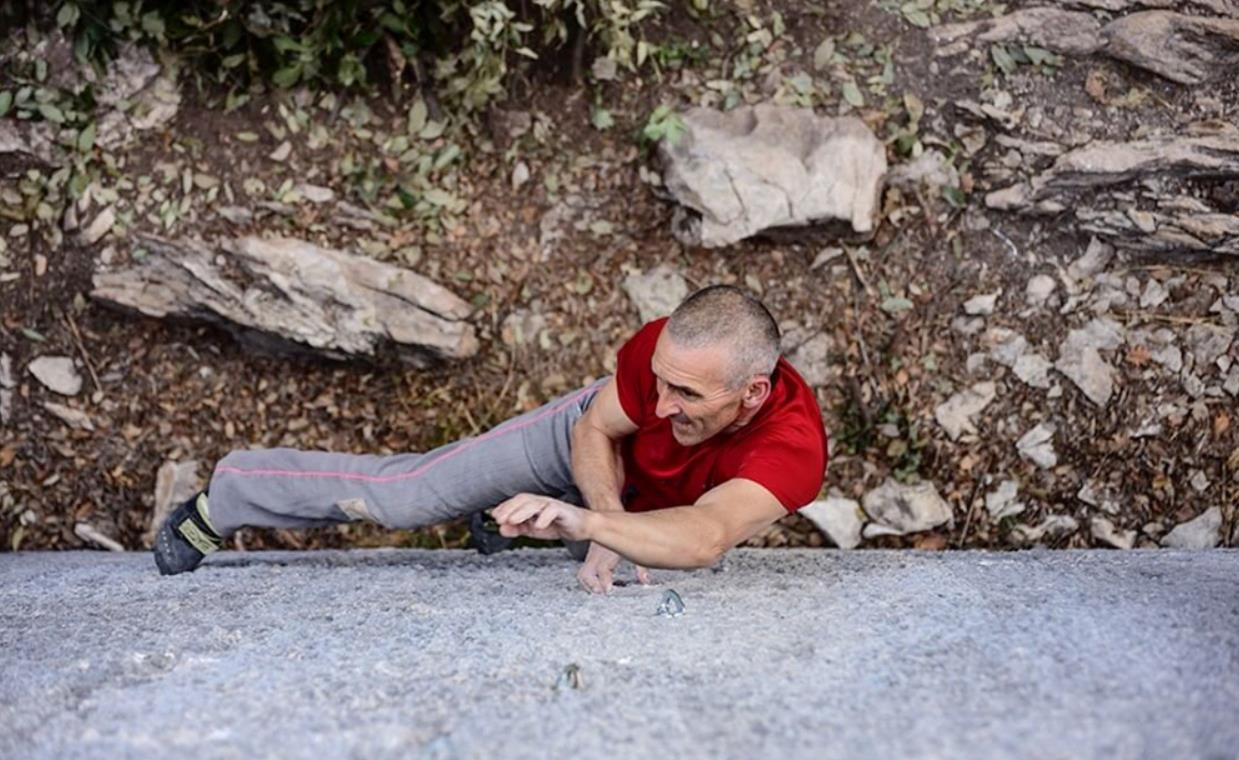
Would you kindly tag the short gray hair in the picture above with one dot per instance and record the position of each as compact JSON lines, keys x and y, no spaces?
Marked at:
{"x":724,"y":315}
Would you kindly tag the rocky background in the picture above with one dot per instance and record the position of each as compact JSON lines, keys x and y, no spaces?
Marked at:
{"x":1021,"y":323}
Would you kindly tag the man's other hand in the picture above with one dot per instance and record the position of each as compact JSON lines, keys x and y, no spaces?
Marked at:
{"x":526,"y":514}
{"x":597,"y":572}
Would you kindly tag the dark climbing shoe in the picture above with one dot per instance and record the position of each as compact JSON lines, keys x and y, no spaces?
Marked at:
{"x":486,"y":540}
{"x":185,"y":538}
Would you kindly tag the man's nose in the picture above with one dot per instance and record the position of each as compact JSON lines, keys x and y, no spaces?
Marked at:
{"x":665,"y":407}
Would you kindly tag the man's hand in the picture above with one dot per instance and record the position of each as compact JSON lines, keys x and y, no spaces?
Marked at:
{"x":598,"y":570}
{"x":541,"y":517}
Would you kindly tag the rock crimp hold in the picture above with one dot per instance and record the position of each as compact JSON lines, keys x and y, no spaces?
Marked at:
{"x":287,"y":294}
{"x":756,"y":168}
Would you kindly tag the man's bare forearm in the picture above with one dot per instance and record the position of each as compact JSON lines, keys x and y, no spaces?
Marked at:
{"x":596,"y":468}
{"x":675,"y":538}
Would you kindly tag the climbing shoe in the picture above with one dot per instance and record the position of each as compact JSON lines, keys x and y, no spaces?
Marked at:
{"x":186,"y":537}
{"x":486,"y":540}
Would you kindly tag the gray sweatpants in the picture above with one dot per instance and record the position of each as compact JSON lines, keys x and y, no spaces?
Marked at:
{"x":287,"y":488}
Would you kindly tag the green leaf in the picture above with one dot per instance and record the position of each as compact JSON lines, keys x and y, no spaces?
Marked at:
{"x":601,"y":119}
{"x":895,"y":305}
{"x":1039,"y":56}
{"x":823,"y":54}
{"x":68,"y":15}
{"x":52,"y":113}
{"x":432,"y":130}
{"x":851,"y":93}
{"x":152,"y":24}
{"x":86,"y":138}
{"x":438,"y":197}
{"x":417,"y":116}
{"x":446,"y":156}
{"x":287,"y":76}
{"x":6,"y":102}
{"x":915,"y":16}
{"x":1002,"y":58}
{"x":914,"y":106}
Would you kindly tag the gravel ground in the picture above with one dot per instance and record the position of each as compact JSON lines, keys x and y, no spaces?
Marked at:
{"x":451,"y":654}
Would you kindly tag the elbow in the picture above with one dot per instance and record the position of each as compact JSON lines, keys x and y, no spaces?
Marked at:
{"x":711,"y":551}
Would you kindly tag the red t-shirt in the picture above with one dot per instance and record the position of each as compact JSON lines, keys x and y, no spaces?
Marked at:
{"x":783,"y":447}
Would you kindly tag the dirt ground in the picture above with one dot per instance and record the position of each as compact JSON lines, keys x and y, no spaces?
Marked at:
{"x":158,"y":391}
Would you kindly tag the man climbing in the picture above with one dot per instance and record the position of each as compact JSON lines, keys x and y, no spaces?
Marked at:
{"x":704,"y":436}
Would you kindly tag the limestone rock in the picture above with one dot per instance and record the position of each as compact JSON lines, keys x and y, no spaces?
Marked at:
{"x":1202,"y":532}
{"x":1104,"y":531}
{"x":838,"y":518}
{"x":1189,"y":49}
{"x":1033,"y":369}
{"x":1160,"y":219}
{"x":1208,"y":343}
{"x":656,"y":292}
{"x":1037,"y":446}
{"x":74,"y":418}
{"x":1079,"y":358}
{"x":1184,"y":49}
{"x":57,"y":373}
{"x":136,"y":94}
{"x":1039,"y":289}
{"x":1001,"y":501}
{"x":1069,"y":32}
{"x":289,"y":295}
{"x":982,"y":305}
{"x":955,"y":414}
{"x":102,"y":224}
{"x":761,"y":167}
{"x":1054,"y":526}
{"x":812,"y":359}
{"x":903,"y":509}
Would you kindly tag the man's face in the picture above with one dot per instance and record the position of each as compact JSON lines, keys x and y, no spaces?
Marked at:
{"x":692,"y":390}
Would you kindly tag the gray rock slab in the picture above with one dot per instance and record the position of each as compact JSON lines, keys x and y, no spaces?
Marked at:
{"x":404,"y":653}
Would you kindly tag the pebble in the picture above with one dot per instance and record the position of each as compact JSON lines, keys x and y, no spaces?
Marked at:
{"x":656,"y":292}
{"x":897,"y":508}
{"x":1202,"y":532}
{"x":1001,"y":502}
{"x":1104,"y":531}
{"x":839,"y":519}
{"x":57,"y":373}
{"x":282,"y":152}
{"x":1037,"y":446}
{"x":1039,"y":289}
{"x":982,"y":305}
{"x":956,"y":413}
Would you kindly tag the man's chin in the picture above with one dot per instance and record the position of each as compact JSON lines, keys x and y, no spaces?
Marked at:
{"x":686,"y":438}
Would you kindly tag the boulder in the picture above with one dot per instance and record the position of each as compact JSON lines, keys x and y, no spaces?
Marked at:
{"x":286,"y":295}
{"x":756,"y":168}
{"x":1183,"y":49}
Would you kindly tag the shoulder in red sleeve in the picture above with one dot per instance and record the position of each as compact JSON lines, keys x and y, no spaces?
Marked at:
{"x":634,"y":380}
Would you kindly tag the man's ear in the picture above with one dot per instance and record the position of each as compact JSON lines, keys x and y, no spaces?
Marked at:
{"x":756,"y":393}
